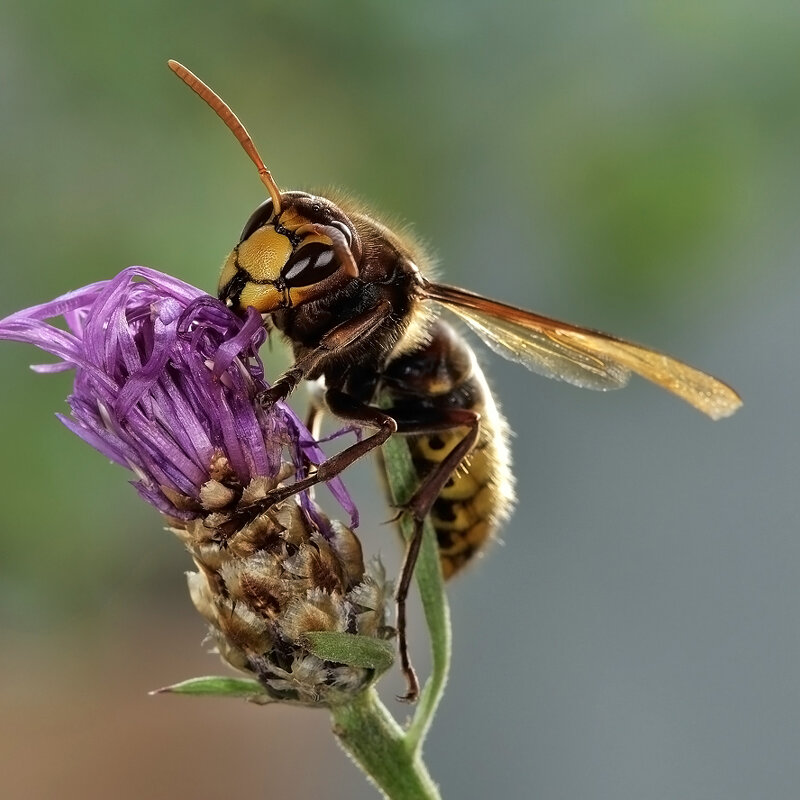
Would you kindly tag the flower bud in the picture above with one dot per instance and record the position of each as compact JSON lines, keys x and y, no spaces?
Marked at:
{"x":267,"y":578}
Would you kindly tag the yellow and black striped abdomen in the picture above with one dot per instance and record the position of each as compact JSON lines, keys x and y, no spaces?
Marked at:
{"x":478,"y":496}
{"x":435,"y":382}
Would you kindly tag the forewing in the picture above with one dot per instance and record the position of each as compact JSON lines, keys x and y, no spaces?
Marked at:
{"x":541,"y":352}
{"x":586,"y":358}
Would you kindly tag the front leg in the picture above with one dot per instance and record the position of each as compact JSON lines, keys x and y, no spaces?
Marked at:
{"x":331,"y":345}
{"x":288,"y":382}
{"x":348,"y":408}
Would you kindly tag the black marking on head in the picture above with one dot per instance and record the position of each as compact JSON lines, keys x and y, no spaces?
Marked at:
{"x":258,"y":219}
{"x":231,"y":292}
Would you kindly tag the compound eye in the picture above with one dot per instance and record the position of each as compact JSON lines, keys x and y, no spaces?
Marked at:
{"x":258,"y":219}
{"x":311,"y":264}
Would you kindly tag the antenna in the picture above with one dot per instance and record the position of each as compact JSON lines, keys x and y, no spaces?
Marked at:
{"x":225,"y":113}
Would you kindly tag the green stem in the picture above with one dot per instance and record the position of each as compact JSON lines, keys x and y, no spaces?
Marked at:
{"x":437,"y":615}
{"x":403,"y":481}
{"x":372,"y":738}
{"x":391,"y":757}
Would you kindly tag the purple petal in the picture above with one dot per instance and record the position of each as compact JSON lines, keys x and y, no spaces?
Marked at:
{"x":166,"y":377}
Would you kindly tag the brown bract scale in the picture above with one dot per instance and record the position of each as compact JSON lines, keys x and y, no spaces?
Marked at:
{"x":266,"y":578}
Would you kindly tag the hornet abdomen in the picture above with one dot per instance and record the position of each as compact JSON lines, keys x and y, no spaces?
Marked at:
{"x":433,"y":381}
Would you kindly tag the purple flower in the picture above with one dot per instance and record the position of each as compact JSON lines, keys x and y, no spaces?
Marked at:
{"x":166,"y":379}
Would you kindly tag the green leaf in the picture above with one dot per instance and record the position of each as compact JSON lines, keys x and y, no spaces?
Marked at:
{"x":351,"y":649}
{"x":218,"y":686}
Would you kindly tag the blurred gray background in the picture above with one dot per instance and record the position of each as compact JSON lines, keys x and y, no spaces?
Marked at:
{"x":632,"y":166}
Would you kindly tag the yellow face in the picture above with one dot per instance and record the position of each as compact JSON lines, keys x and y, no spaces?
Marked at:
{"x":261,"y":257}
{"x":288,"y":259}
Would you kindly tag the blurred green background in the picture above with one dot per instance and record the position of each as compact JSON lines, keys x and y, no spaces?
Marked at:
{"x":633,"y":166}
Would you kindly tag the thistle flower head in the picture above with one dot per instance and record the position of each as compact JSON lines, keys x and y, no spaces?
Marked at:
{"x":167,"y":381}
